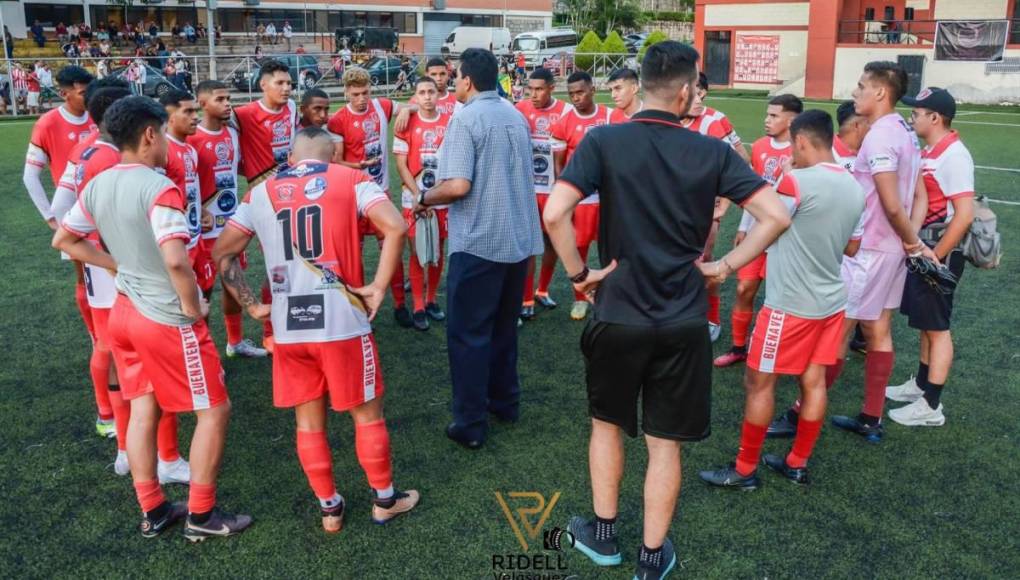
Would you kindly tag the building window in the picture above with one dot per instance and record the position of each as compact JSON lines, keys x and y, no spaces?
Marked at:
{"x":908,"y":14}
{"x":869,"y":14}
{"x":890,"y":13}
{"x":49,"y":15}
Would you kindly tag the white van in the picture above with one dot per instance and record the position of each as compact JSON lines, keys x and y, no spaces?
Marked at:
{"x":464,"y":37}
{"x":542,"y":45}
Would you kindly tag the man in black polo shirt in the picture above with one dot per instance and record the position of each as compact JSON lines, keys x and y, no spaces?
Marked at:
{"x":649,"y":334}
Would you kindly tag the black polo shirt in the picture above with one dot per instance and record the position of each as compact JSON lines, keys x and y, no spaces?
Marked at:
{"x":658,"y":182}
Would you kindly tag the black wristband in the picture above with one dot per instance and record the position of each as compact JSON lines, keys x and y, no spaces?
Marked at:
{"x":421,"y":198}
{"x":581,"y":276}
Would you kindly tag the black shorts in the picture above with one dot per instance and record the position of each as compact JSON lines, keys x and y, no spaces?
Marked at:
{"x":670,"y":367}
{"x":925,"y":308}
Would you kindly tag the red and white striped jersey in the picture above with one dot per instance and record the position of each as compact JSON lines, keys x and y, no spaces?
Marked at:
{"x":948,"y":172}
{"x":219,"y":155}
{"x":182,"y":169}
{"x":420,"y":141}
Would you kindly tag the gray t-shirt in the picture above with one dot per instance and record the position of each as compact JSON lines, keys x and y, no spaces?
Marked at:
{"x":134,"y":209}
{"x":804,"y":263}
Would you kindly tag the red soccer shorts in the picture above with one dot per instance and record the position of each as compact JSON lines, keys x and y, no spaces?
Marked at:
{"x":586,"y":224}
{"x":542,"y":199}
{"x":754,"y":270}
{"x":784,"y":344}
{"x":178,"y":364}
{"x":442,"y":215}
{"x":346,"y":370}
{"x":202,"y":264}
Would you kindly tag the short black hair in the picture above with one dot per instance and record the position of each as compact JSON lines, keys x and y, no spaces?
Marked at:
{"x":128,"y":118}
{"x":889,"y":74}
{"x":312,"y":133}
{"x":313,"y":93}
{"x":788,"y":102}
{"x":623,"y":74}
{"x":543,"y":74}
{"x":702,"y":81}
{"x":209,"y":86}
{"x":99,"y":101}
{"x":272,"y":66}
{"x":845,"y":112}
{"x":73,"y":75}
{"x":481,"y":67}
{"x":426,"y":80}
{"x":816,"y":125}
{"x":435,"y":61}
{"x":105,"y":83}
{"x":579,"y":76}
{"x":173,"y":98}
{"x":668,"y":65}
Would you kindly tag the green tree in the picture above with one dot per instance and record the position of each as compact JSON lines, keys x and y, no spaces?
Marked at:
{"x":589,"y":45}
{"x":653,"y":38}
{"x":610,"y":15}
{"x":615,"y":49}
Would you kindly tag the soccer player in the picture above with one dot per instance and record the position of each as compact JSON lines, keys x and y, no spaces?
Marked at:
{"x":158,"y":335}
{"x":363,"y":128}
{"x":416,"y":150}
{"x":306,"y":218}
{"x":542,"y":111}
{"x":217,"y":145}
{"x":887,"y":167}
{"x":568,"y":132}
{"x":948,"y":172}
{"x":267,"y":128}
{"x":623,"y":88}
{"x":446,"y":102}
{"x":182,"y":170}
{"x":799,"y":331}
{"x":769,"y":156}
{"x":852,"y":129}
{"x":314,"y":112}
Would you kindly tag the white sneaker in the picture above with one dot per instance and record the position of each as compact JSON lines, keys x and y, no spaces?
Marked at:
{"x":918,"y":414}
{"x":714,"y":331}
{"x":177,"y":471}
{"x":120,"y":465}
{"x":579,"y":310}
{"x":908,"y":392}
{"x":245,"y":349}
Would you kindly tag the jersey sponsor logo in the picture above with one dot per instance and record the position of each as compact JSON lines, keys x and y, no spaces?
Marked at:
{"x":368,"y":364}
{"x":542,"y":125}
{"x":541,"y":164}
{"x":79,"y":173}
{"x":770,"y":349}
{"x":285,"y":192}
{"x":315,"y":188}
{"x":880,"y":160}
{"x":226,"y":200}
{"x":771,"y":164}
{"x":306,"y":312}
{"x":194,"y":368}
{"x":431,"y":137}
{"x":370,"y":128}
{"x":279,"y":280}
{"x":303,"y":170}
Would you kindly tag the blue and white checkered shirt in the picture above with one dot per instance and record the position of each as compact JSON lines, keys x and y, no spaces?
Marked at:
{"x":488,"y":142}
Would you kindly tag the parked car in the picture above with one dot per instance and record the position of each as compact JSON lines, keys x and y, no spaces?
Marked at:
{"x":495,"y":39}
{"x":156,"y":85}
{"x":541,"y":45}
{"x":385,"y":70}
{"x":558,"y":63}
{"x":308,"y":76}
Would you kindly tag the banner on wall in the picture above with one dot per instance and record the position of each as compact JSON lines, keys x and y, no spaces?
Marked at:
{"x":977,"y":40}
{"x":756,"y":59}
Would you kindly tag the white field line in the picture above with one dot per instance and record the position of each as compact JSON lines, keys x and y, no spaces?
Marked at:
{"x":900,"y":108}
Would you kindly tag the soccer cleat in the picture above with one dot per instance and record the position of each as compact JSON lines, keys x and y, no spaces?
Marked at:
{"x":152,"y":527}
{"x":269,"y":343}
{"x":176,"y":471}
{"x":908,"y":392}
{"x":918,"y":414}
{"x":106,"y":428}
{"x":579,"y":310}
{"x":403,"y":317}
{"x":668,"y":562}
{"x":401,"y":503}
{"x":528,"y":312}
{"x":421,"y":321}
{"x":602,"y":552}
{"x":714,"y":331}
{"x":729,"y":478}
{"x":798,"y":475}
{"x":545,"y":301}
{"x":730,"y":357}
{"x":333,"y":518}
{"x":783,"y":426}
{"x":871,"y":433}
{"x":220,"y":524}
{"x":434,"y":311}
{"x":246,"y":349}
{"x":120,"y":465}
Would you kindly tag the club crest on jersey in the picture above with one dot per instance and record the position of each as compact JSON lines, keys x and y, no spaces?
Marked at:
{"x":222,"y":151}
{"x":285,"y":192}
{"x":771,"y":164}
{"x":542,"y":125}
{"x":279,"y":129}
{"x":430,"y":137}
{"x":79,"y":174}
{"x":315,"y":188}
{"x":369,"y":127}
{"x":329,"y":279}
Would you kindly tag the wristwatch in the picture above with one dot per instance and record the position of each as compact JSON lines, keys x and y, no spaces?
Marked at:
{"x":581,"y":276}
{"x":421,"y":198}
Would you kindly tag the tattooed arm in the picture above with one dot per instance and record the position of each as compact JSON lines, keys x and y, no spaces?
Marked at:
{"x":229,"y":245}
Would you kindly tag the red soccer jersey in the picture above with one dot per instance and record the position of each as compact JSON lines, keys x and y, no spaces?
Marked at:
{"x":572,"y":127}
{"x":767,"y":158}
{"x":364,"y":136}
{"x":948,"y":172}
{"x":420,"y":141}
{"x":69,"y":179}
{"x":618,"y":116}
{"x":182,"y":169}
{"x":54,"y":136}
{"x":218,"y":157}
{"x":447,"y":105}
{"x":266,"y":136}
{"x":95,"y":159}
{"x":33,"y":83}
{"x":713,"y":123}
{"x":541,"y":121}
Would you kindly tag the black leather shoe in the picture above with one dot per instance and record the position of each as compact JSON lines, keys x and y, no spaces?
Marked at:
{"x":778,"y":464}
{"x":457,"y":435}
{"x":783,"y":426}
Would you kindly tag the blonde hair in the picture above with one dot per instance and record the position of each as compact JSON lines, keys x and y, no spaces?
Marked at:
{"x":356,"y":76}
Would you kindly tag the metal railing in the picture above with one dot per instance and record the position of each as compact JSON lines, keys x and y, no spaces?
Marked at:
{"x":908,"y":32}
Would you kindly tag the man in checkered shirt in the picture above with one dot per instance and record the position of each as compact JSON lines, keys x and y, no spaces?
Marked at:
{"x":485,"y":172}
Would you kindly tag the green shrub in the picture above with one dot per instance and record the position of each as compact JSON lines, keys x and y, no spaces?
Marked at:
{"x":591,"y":43}
{"x":653,"y":38}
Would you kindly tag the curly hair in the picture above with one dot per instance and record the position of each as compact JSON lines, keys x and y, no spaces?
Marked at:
{"x":356,"y":76}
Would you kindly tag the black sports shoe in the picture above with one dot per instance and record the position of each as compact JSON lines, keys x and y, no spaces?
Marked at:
{"x":798,"y":475}
{"x":434,"y":311}
{"x":545,"y":301}
{"x":421,"y":321}
{"x":403,"y":317}
{"x":602,"y":552}
{"x":219,"y":524}
{"x":857,"y":343}
{"x":783,"y":426}
{"x":527,"y":312}
{"x":728,"y":477}
{"x":871,"y":433}
{"x":152,"y":527}
{"x":666,"y":565}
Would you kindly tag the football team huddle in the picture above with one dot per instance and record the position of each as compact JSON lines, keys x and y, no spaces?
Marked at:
{"x":149,"y":207}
